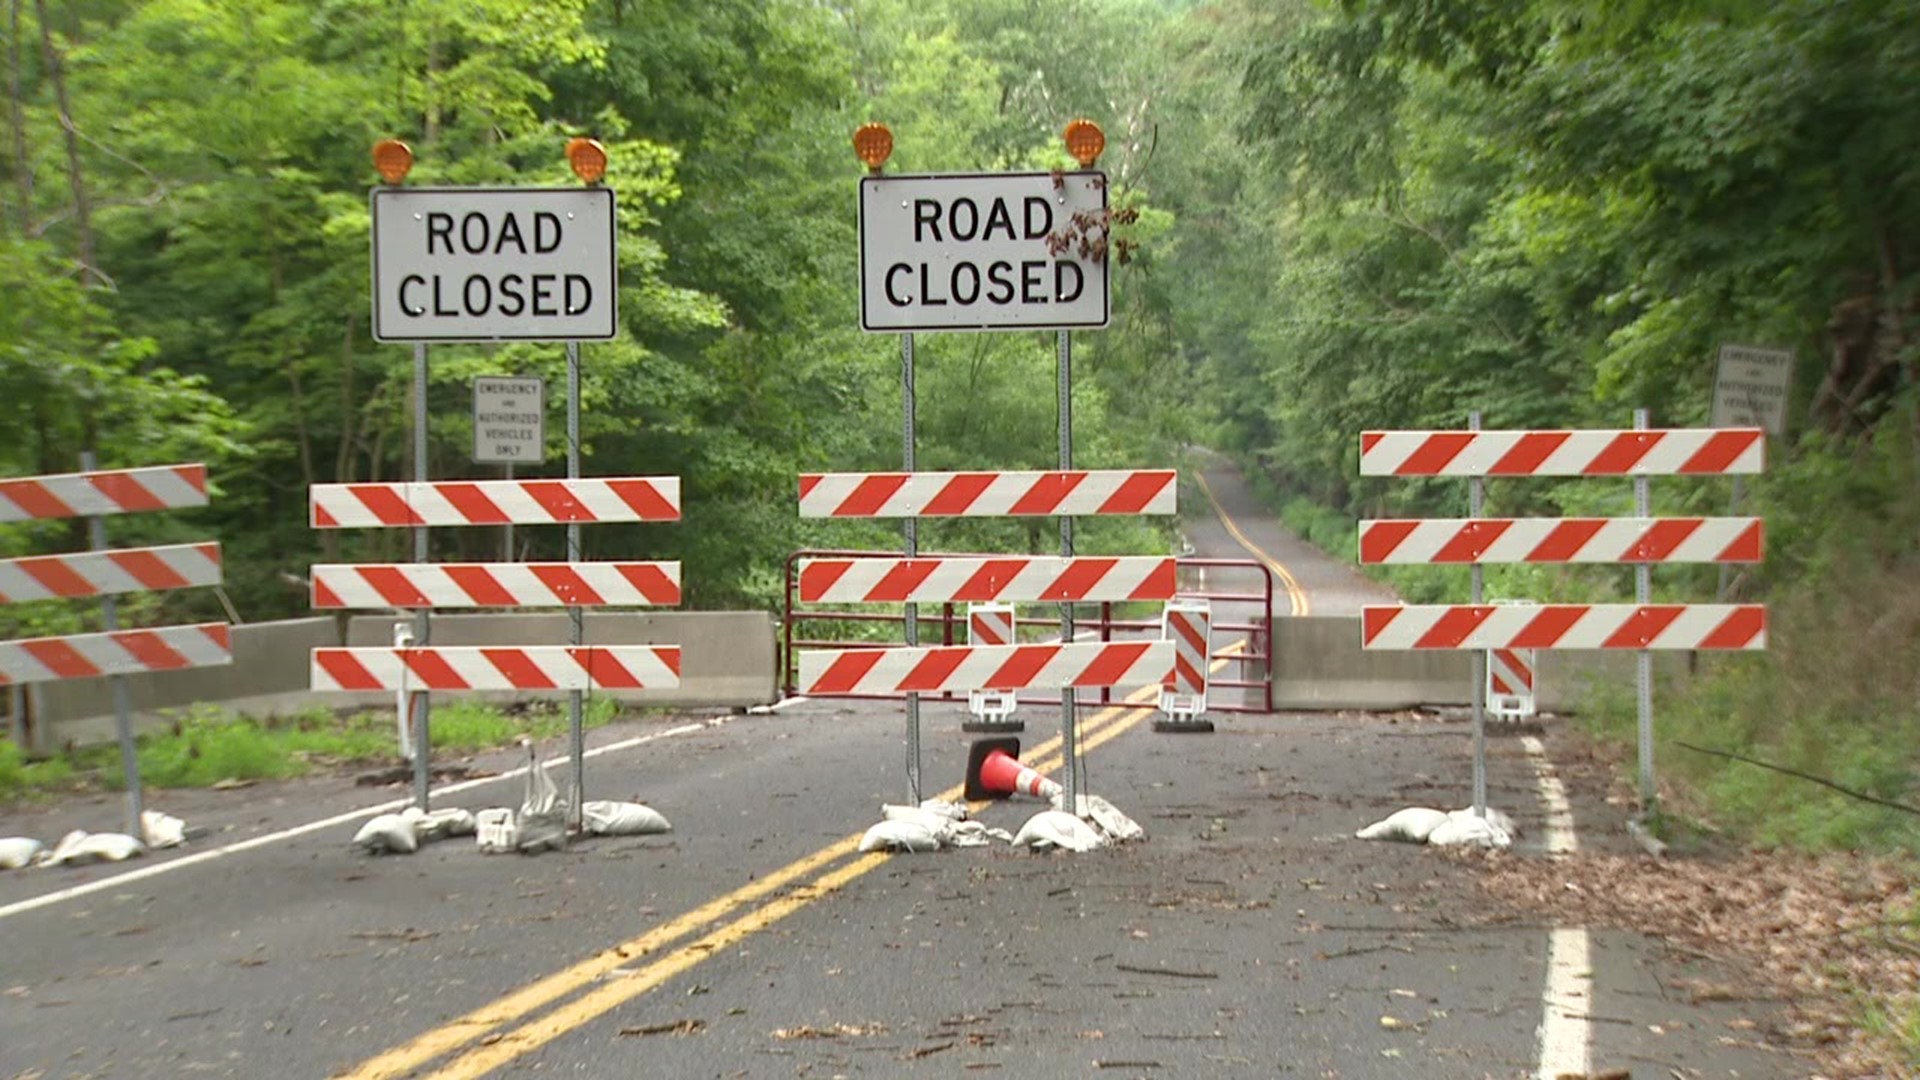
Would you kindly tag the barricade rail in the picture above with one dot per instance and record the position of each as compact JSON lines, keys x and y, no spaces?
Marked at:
{"x":946,"y":624}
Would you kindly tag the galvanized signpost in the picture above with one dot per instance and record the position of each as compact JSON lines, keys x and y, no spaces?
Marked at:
{"x":1000,"y":251}
{"x":486,"y":265}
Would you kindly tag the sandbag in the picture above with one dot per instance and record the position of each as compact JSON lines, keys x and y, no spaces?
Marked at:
{"x":899,"y":836}
{"x":1411,"y":825}
{"x":1105,"y":817}
{"x":19,"y":851}
{"x":429,"y":826}
{"x":79,"y":847}
{"x":605,"y":817}
{"x":1057,"y":828}
{"x":542,"y":820}
{"x":1463,"y":829}
{"x":387,"y":834}
{"x":161,"y":829}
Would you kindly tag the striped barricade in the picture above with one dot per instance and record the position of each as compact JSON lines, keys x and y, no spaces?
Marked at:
{"x":1075,"y":493}
{"x":470,"y":668}
{"x":89,"y":574}
{"x":1675,"y":452}
{"x":1565,"y":626}
{"x":988,"y":625}
{"x":104,"y":492}
{"x":963,"y":667}
{"x":1188,"y":625}
{"x":494,"y":502}
{"x":1510,"y":683}
{"x":474,"y":585}
{"x":116,"y":652}
{"x":983,"y":580}
{"x":1563,"y":540}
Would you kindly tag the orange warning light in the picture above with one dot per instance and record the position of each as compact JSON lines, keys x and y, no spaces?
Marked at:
{"x":874,"y":144}
{"x":587,"y":158}
{"x":393,"y":159}
{"x":1085,"y":141}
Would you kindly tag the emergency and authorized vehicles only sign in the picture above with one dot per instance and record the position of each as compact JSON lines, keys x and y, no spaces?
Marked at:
{"x":494,"y":264}
{"x":993,"y":251}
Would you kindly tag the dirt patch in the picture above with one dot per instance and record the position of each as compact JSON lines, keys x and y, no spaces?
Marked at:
{"x":1830,"y":934}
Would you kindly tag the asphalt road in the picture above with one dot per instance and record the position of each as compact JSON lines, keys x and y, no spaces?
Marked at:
{"x":1249,"y":935}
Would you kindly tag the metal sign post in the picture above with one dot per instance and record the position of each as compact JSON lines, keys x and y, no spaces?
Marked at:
{"x":1476,"y":504}
{"x":1069,"y":742}
{"x":1643,"y":660}
{"x":911,"y":533}
{"x":122,"y":708}
{"x":422,"y":706}
{"x":576,"y":623}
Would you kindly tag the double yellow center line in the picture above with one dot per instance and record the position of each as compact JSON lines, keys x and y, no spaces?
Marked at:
{"x":614,"y":969}
{"x":1295,"y":594}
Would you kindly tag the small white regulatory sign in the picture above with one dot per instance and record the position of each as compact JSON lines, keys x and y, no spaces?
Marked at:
{"x":1750,"y":388}
{"x":509,"y":420}
{"x":494,"y":264}
{"x":991,"y":251}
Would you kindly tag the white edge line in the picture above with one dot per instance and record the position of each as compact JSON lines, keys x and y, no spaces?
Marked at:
{"x":1566,"y":1037}
{"x":235,"y":848}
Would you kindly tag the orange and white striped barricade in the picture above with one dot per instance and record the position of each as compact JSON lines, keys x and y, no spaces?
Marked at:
{"x":104,"y":574}
{"x":1508,"y":633}
{"x":992,"y":710}
{"x":1511,"y":678}
{"x":1187,"y":623}
{"x":940,"y":668}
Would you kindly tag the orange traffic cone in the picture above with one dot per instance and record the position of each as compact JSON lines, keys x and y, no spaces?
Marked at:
{"x":994,"y":772}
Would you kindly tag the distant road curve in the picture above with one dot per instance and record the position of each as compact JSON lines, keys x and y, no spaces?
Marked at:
{"x":1315,"y":582}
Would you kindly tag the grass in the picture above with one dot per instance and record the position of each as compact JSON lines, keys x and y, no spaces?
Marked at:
{"x":207,"y":744}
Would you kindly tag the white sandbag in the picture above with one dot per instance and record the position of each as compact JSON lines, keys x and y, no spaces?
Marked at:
{"x":899,"y":836}
{"x":1105,"y":817}
{"x":1057,"y":828}
{"x":79,"y":847}
{"x":1412,"y":825}
{"x":930,"y":820}
{"x":161,"y":829}
{"x":387,"y":833}
{"x":542,"y":820}
{"x":429,"y":826}
{"x":19,"y":851}
{"x":605,"y":817}
{"x":496,"y":831}
{"x":1496,"y":817}
{"x":969,"y":834}
{"x":1466,"y":830}
{"x":955,"y":811}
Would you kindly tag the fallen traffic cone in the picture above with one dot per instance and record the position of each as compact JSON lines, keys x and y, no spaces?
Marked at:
{"x":994,"y":772}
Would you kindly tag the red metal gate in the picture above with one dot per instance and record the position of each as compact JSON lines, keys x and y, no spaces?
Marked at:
{"x":1249,"y":666}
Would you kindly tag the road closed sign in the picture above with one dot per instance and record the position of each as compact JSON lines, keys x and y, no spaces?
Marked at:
{"x":494,"y":264}
{"x":996,"y":251}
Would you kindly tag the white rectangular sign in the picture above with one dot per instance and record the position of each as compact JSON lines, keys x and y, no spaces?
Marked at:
{"x":993,"y":251}
{"x":509,"y":420}
{"x":1750,"y":388}
{"x":494,"y":264}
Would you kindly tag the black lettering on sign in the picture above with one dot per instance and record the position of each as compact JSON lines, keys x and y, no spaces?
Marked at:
{"x":439,"y":227}
{"x":510,"y":233}
{"x":406,"y":305}
{"x":966,"y":294}
{"x":512,"y":302}
{"x":485,"y":303}
{"x":926,"y":291}
{"x":894,"y":298}
{"x":926,"y":214}
{"x":473,"y":232}
{"x":585,"y":294}
{"x":546,"y":232}
{"x":543,"y":295}
{"x":1039,"y":217}
{"x":1060,"y":274}
{"x":1000,"y":285}
{"x":972,"y":226}
{"x":439,"y":307}
{"x":1032,"y":281}
{"x":999,"y":218}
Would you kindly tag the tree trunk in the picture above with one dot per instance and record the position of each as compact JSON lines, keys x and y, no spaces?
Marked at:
{"x":22,"y":168}
{"x":76,"y":180}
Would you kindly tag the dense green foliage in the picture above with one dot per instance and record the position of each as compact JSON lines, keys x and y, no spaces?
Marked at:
{"x":1350,"y":215}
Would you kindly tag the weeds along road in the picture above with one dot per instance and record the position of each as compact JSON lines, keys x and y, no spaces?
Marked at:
{"x":1249,"y":935}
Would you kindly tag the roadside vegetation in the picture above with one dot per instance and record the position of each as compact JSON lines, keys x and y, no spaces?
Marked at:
{"x":208,"y":746}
